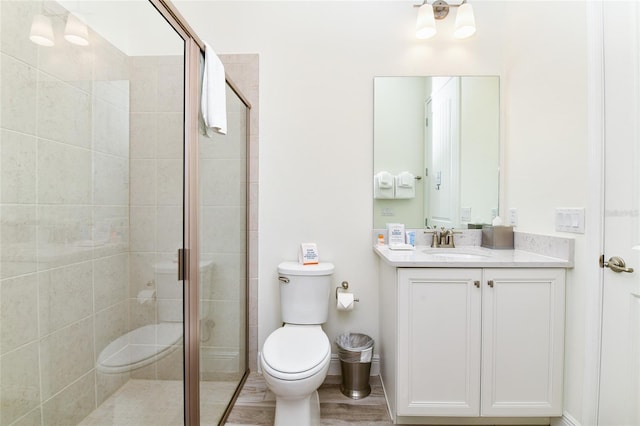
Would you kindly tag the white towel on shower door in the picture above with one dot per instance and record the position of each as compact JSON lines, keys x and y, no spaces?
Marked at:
{"x":214,"y":101}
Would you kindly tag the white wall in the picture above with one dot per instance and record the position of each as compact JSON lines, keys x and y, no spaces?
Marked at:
{"x":317,"y":64}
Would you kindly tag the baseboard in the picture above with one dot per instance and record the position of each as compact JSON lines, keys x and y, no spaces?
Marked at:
{"x":334,"y":366}
{"x":565,"y":420}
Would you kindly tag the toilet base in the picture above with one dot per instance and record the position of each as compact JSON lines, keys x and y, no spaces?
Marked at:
{"x":298,"y":412}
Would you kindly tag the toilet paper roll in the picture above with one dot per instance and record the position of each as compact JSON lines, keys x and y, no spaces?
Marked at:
{"x":345,"y":301}
{"x":146,"y":296}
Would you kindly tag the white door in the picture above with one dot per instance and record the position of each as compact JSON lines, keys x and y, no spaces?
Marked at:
{"x":445,"y":152}
{"x":619,"y":402}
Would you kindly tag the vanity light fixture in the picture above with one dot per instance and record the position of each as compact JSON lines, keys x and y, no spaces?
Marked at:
{"x":76,"y":31}
{"x":428,"y":13}
{"x":41,"y":31}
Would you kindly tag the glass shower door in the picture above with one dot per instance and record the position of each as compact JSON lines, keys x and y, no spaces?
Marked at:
{"x":91,"y":214}
{"x":223,"y":252}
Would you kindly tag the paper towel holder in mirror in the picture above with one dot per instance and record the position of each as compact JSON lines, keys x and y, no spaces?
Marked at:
{"x":344,"y":286}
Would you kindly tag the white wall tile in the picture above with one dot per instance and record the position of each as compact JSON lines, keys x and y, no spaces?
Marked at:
{"x":62,"y":366}
{"x":64,"y":112}
{"x":169,"y":229}
{"x":111,"y":323}
{"x":144,"y":84}
{"x":110,"y":127}
{"x":222,"y":229}
{"x":18,"y":312}
{"x":16,"y":16}
{"x":170,"y":178}
{"x":110,"y":280}
{"x":66,"y":296}
{"x":62,"y":230}
{"x":142,"y":233}
{"x":143,"y":182}
{"x":170,"y":142}
{"x":17,"y":240}
{"x":64,"y":173}
{"x":73,"y":404}
{"x":20,"y":385}
{"x":18,"y":166}
{"x":110,"y":179}
{"x":143,"y":132}
{"x":170,"y":84}
{"x":223,"y":182}
{"x":18,"y":87}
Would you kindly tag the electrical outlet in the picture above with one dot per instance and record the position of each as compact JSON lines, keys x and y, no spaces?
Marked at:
{"x":387,"y":211}
{"x":513,"y":216}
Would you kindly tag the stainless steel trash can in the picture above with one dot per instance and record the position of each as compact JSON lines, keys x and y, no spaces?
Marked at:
{"x":355,"y":351}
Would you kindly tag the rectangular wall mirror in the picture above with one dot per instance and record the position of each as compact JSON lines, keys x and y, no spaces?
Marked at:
{"x":436,"y":159}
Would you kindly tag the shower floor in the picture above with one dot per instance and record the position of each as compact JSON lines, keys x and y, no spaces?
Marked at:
{"x":159,"y":403}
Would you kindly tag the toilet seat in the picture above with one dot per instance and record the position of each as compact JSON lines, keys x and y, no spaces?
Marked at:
{"x":140,"y":347}
{"x":295,"y":352}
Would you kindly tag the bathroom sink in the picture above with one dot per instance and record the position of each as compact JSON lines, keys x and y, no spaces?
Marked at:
{"x":458,"y":252}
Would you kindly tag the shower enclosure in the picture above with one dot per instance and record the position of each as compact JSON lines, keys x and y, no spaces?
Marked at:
{"x":123,"y":237}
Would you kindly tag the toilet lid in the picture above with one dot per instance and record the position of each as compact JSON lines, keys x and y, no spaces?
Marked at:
{"x":294,"y":349}
{"x":140,"y":347}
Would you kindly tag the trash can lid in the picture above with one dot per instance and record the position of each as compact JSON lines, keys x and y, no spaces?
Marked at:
{"x":294,"y":349}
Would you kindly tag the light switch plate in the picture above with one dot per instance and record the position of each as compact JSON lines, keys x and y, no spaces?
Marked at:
{"x":465,"y":214}
{"x":570,"y":220}
{"x":513,"y":216}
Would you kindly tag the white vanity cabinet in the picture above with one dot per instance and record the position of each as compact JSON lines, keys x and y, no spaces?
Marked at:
{"x":473,"y":342}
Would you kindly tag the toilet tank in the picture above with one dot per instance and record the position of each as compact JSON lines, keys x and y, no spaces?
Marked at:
{"x":169,"y":290}
{"x":304,"y":292}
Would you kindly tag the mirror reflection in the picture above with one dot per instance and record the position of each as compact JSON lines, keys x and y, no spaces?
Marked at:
{"x":436,"y":150}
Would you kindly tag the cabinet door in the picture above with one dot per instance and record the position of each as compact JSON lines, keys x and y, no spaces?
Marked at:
{"x":522,"y":342}
{"x":439,"y":342}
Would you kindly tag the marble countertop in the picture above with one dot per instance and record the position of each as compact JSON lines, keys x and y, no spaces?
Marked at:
{"x":467,"y":257}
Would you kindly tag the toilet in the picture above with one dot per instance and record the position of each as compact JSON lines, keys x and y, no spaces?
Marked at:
{"x":149,"y":343}
{"x":295,"y":358}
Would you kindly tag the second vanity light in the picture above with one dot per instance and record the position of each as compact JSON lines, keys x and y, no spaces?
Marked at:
{"x":75,"y":30}
{"x":428,"y":13}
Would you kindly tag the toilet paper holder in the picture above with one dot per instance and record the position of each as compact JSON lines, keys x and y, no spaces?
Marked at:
{"x":344,"y":286}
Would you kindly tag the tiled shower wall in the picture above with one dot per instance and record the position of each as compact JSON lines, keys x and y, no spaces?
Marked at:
{"x":78,"y":163}
{"x":64,"y":179}
{"x":244,"y":71}
{"x":223,"y":202}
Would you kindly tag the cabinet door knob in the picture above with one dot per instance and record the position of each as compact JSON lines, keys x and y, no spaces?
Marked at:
{"x":490,"y":283}
{"x":477,"y":284}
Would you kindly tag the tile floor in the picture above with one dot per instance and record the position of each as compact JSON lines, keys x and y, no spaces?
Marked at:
{"x":256,"y":405}
{"x":159,"y":403}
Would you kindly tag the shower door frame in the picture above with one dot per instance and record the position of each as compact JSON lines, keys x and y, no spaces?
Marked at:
{"x":189,"y":256}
